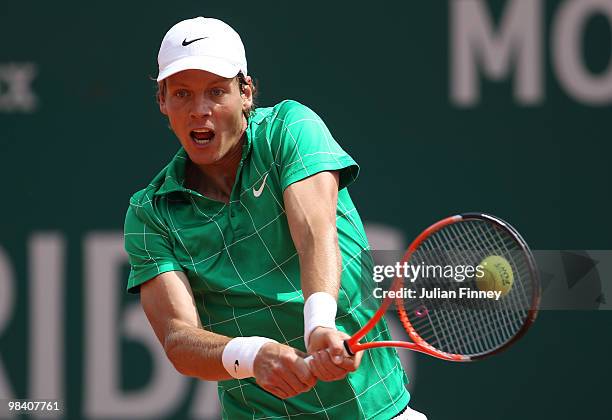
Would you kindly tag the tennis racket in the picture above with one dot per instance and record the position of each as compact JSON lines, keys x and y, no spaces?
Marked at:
{"x":459,"y":328}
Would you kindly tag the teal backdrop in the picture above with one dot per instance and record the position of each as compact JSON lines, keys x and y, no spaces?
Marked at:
{"x":448,"y":106}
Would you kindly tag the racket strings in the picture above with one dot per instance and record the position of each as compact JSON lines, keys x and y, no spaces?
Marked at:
{"x":445,"y":339}
{"x":505,"y":329}
{"x":503,"y":247}
{"x":470,"y":303}
{"x":506,"y":302}
{"x":468,"y":344}
{"x":501,"y":315}
{"x":469,"y":326}
{"x":517,"y":295}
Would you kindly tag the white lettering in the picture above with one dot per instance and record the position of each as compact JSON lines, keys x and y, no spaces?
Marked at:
{"x":567,"y":52}
{"x":46,"y":303}
{"x":104,"y":257}
{"x":18,"y":95}
{"x":205,"y":401}
{"x":518,"y":40}
{"x":7,"y":302}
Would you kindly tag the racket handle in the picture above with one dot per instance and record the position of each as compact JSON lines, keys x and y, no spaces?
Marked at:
{"x":348,"y":348}
{"x":309,"y":358}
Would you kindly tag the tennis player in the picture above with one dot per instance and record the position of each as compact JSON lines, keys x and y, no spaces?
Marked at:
{"x":247,"y":250}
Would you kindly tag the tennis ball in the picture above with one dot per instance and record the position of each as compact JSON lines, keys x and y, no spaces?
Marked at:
{"x":497,"y":276}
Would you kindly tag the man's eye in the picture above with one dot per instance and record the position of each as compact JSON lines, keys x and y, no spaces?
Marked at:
{"x":216,"y":92}
{"x":182,"y":93}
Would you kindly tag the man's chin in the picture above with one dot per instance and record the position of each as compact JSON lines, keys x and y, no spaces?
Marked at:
{"x":200,"y":160}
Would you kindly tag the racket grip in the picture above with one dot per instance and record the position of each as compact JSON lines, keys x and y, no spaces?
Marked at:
{"x":348,"y":348}
{"x":309,"y":358}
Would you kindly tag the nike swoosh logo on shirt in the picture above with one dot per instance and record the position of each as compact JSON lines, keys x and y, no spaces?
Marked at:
{"x":257,"y":192}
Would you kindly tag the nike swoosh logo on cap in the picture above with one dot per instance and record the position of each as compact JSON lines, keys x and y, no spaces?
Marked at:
{"x":257,"y":192}
{"x":185,"y":42}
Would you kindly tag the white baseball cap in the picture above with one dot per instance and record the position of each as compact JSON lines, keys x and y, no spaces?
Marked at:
{"x":202,"y":44}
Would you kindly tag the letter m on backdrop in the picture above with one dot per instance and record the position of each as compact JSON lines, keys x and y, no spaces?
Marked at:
{"x":478,"y":46}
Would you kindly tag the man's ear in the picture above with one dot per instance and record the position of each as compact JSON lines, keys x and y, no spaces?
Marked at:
{"x":162,"y":104}
{"x":247,"y":94}
{"x":161,"y":97}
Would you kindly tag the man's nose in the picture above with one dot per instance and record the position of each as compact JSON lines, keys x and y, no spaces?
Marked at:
{"x":202,"y":107}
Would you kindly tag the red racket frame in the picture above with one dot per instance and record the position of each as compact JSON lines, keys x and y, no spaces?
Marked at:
{"x":353,"y":345}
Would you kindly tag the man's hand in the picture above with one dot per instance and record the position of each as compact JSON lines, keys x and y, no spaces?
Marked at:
{"x":281,"y":371}
{"x":330,"y":360}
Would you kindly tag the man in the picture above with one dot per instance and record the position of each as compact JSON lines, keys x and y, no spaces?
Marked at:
{"x":247,"y":250}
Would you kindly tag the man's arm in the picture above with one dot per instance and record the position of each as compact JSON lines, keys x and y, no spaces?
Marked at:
{"x":169,"y":305}
{"x":311,"y":213}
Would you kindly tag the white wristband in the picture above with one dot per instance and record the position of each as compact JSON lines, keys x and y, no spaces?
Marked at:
{"x":319,"y":311}
{"x":239,"y":354}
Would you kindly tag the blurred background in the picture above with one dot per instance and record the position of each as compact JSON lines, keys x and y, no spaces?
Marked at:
{"x":448,"y":106}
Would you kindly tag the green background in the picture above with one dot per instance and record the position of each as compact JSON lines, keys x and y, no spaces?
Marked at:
{"x":378,"y":74}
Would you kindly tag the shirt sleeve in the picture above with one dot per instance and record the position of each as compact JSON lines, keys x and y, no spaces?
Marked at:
{"x":304,"y":146}
{"x":147,"y":243}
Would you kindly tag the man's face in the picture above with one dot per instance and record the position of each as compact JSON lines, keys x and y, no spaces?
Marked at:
{"x":206,"y":113}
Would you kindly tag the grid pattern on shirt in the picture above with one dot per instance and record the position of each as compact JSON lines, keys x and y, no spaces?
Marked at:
{"x":244,"y":269}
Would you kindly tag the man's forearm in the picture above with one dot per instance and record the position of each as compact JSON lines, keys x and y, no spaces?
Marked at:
{"x":196,"y":352}
{"x":311,"y":212}
{"x":320,"y":263}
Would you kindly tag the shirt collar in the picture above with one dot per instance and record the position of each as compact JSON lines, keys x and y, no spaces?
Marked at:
{"x":174,"y":178}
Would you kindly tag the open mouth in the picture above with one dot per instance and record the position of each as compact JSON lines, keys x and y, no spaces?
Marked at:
{"x":202,"y":136}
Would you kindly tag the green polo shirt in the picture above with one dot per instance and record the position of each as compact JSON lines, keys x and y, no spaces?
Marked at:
{"x":244,"y":270}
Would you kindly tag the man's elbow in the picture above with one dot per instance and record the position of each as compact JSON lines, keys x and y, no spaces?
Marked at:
{"x":172,"y":348}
